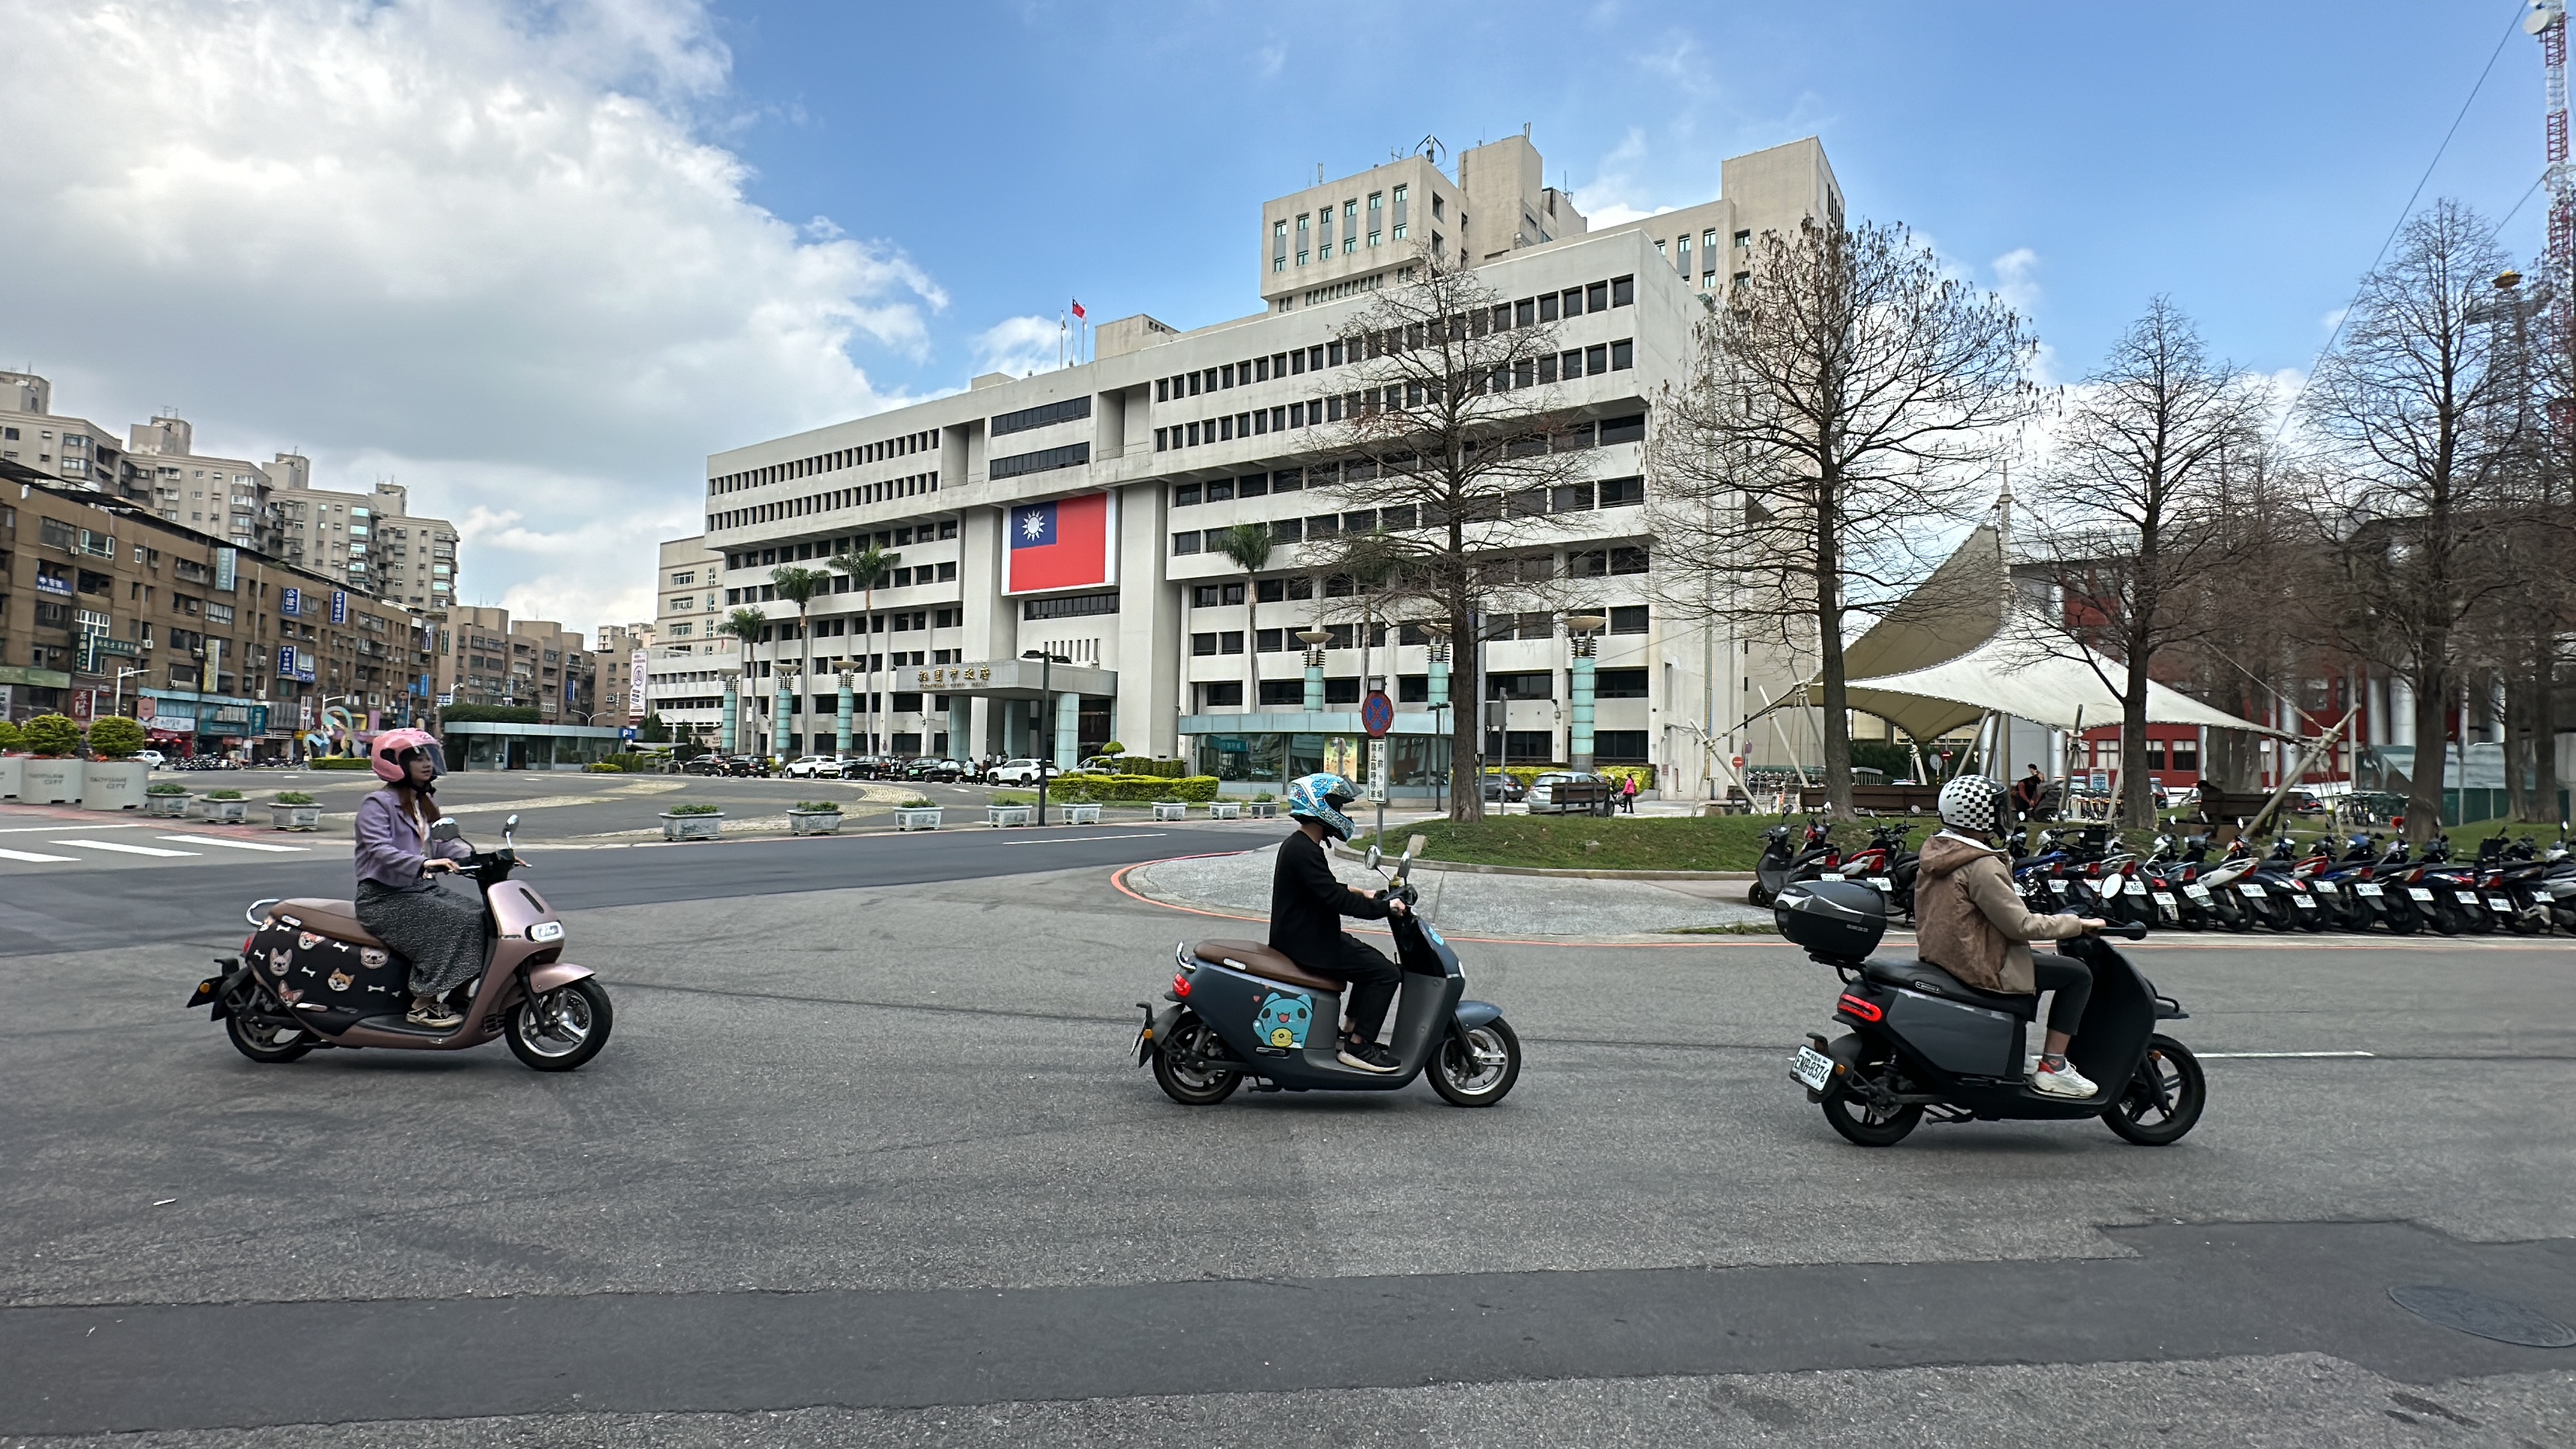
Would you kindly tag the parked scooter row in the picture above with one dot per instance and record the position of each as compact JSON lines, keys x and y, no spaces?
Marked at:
{"x":1885,"y":864}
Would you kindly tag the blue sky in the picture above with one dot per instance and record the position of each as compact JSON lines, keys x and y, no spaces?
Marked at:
{"x":536,"y":259}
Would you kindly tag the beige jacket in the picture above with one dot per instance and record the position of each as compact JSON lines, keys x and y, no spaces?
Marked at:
{"x":1969,"y":921}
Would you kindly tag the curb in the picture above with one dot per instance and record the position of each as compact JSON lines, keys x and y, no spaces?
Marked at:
{"x":1342,"y":848}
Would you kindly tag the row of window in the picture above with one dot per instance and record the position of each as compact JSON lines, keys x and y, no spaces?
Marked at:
{"x":1317,"y":240}
{"x":902,"y":578}
{"x":1044,"y":460}
{"x":1279,"y":418}
{"x":855,"y":496}
{"x":1610,"y":683}
{"x":1571,"y":497}
{"x":1530,"y":503}
{"x":1043,"y":415}
{"x":826,"y":548}
{"x":897,"y":447}
{"x":901,"y":621}
{"x":1069,"y":606}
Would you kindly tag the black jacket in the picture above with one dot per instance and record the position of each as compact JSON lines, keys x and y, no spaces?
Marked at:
{"x":1307,"y":903}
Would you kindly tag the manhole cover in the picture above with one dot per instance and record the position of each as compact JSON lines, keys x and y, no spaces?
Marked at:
{"x":2486,"y":1317}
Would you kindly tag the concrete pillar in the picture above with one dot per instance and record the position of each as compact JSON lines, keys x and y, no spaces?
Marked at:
{"x":1068,"y":730}
{"x":780,"y":722}
{"x":1314,"y":681}
{"x":732,"y":715}
{"x":1579,"y":742}
{"x":841,"y":725}
{"x":961,"y":728}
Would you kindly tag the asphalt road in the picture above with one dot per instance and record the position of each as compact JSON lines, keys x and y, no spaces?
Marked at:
{"x":872,"y":1163}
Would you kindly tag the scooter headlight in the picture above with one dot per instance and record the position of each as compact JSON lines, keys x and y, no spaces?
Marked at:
{"x":546,"y":931}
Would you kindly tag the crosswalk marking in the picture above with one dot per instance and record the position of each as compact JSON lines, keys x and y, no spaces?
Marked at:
{"x":122,"y":849}
{"x":33,"y":858}
{"x":234,"y":844}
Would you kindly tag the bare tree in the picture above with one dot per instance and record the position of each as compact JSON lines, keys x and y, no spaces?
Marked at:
{"x":1454,"y":437}
{"x":2529,"y":626}
{"x":2149,"y":513}
{"x":2421,"y":428}
{"x":1848,"y":400}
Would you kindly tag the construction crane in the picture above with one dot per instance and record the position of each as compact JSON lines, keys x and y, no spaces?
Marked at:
{"x":2548,"y":21}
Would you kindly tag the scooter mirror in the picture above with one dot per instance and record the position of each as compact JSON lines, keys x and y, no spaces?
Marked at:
{"x":512,"y":823}
{"x":445,"y":828}
{"x":1374,"y":856}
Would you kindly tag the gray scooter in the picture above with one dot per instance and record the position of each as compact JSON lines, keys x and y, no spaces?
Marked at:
{"x":1238,"y":1010}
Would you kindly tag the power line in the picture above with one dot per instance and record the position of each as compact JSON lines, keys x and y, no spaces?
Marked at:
{"x":2403,"y":212}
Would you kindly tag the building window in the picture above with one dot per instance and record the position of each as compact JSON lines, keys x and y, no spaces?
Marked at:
{"x":1628,"y":560}
{"x":1629,"y":619}
{"x":1623,"y":354}
{"x":1186,"y":541}
{"x":1203,"y":644}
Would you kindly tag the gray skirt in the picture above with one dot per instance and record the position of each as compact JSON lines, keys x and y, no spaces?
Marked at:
{"x":440,"y":932}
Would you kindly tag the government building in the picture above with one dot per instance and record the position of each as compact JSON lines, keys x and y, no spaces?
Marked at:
{"x":1056,"y":582}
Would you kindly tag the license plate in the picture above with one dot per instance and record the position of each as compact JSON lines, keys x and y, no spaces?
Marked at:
{"x":1885,"y":883}
{"x":1831,"y":875}
{"x":2419,"y":893}
{"x":2058,"y":886}
{"x":2162,"y":898}
{"x":2501,"y":903}
{"x":1812,"y":1068}
{"x":2467,"y":898}
{"x":2365,"y":889}
{"x":2322,"y":887}
{"x":2196,"y":892}
{"x":2304,"y":903}
{"x":2137,"y":888}
{"x":2250,"y":890}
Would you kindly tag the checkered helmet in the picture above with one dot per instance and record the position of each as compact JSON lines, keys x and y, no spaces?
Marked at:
{"x":1968,"y":803}
{"x":1319,"y":798}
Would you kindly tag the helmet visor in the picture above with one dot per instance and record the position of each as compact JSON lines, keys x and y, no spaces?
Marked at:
{"x":431,"y":752}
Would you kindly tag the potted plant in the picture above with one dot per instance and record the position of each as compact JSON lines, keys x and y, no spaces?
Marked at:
{"x":53,"y":775}
{"x":1264,"y":806}
{"x":294,"y":810}
{"x":1171,"y":810}
{"x":814,"y":817}
{"x":693,"y":822}
{"x":11,"y":761}
{"x":114,"y":779}
{"x":168,"y":799}
{"x":223,"y":807}
{"x":916,"y":814}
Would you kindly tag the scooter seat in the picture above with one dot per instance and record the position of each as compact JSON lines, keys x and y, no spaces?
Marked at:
{"x":1931,"y":980}
{"x":336,"y":919}
{"x":1258,"y":960}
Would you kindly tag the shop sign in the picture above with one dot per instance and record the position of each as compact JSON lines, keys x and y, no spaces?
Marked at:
{"x":291,"y":602}
{"x":954,"y":675}
{"x":172,"y":717}
{"x":339,"y":606}
{"x":227,"y":566}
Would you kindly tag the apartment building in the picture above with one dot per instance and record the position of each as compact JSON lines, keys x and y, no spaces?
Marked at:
{"x":107,"y":607}
{"x":1069,"y":514}
{"x":484,"y":657}
{"x":623,"y":653}
{"x":223,"y":496}
{"x":71,"y":450}
{"x":373,"y":539}
{"x":686,"y":660}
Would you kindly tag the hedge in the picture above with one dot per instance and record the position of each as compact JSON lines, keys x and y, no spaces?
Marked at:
{"x":1132,"y":767}
{"x":1130,"y":789}
{"x":338,"y":762}
{"x":488,"y":714}
{"x":50,"y":734}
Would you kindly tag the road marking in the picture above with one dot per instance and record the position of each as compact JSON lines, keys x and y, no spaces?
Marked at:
{"x":1077,"y":839}
{"x":38,"y":829}
{"x":2268,"y":1056}
{"x":123,"y":849}
{"x":235,"y":844}
{"x":33,"y":858}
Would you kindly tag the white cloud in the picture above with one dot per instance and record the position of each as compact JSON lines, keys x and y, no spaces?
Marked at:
{"x":478,"y":245}
{"x":2016,"y":279}
{"x":1020,"y":345}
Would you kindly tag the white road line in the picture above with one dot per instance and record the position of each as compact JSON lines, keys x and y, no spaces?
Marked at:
{"x":235,"y":844}
{"x":123,"y":849}
{"x":40,"y":829}
{"x":2255,"y":1056}
{"x":34,"y":859}
{"x":1077,"y":839}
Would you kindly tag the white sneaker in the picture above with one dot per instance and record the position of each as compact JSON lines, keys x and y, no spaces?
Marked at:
{"x":2063,"y":1082}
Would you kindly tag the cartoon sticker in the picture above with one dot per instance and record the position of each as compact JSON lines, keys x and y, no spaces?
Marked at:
{"x":308,"y":940}
{"x":1282,"y":1018}
{"x":339,"y":980}
{"x":371,"y":958}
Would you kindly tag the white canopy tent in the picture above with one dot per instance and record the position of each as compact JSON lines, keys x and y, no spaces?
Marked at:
{"x":2022,"y":672}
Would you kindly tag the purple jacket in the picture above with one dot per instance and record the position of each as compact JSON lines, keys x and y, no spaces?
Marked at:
{"x":390,"y":851}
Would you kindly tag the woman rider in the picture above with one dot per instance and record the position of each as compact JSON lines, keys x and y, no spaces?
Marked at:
{"x":439,"y":932}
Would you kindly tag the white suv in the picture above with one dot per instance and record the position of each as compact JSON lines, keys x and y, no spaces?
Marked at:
{"x":815,"y":767}
{"x":1018,"y":772}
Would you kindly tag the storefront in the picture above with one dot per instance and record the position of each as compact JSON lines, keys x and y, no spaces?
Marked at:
{"x":485,"y":746}
{"x":1256,"y":752}
{"x":184,"y":722}
{"x":25,"y":691}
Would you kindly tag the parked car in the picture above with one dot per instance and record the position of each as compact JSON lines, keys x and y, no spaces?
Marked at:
{"x":154,"y":758}
{"x":706,"y":765}
{"x":931,"y":767}
{"x":1565,"y":792}
{"x":1501,"y":788}
{"x":1019,"y":772}
{"x":869,"y":767}
{"x":814,"y":767}
{"x":748,"y":766}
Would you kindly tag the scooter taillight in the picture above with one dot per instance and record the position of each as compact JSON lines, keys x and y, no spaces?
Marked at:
{"x":1865,"y":1010}
{"x":1180,"y":985}
{"x":247,"y":940}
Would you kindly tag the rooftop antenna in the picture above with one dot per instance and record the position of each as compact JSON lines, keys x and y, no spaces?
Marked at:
{"x":1525,"y":130}
{"x":1319,"y":173}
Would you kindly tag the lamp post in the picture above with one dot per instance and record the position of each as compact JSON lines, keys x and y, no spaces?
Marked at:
{"x":729,"y":720}
{"x":1437,"y":651}
{"x":123,"y":675}
{"x":1314,"y":640}
{"x":841,"y":726}
{"x":1580,"y":629}
{"x":1046,"y":719}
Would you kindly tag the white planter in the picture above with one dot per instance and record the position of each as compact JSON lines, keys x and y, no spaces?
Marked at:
{"x":1005,"y":815}
{"x":1082,"y":815}
{"x":1263,"y":809}
{"x":1173,"y":811}
{"x":114,"y":784}
{"x":294,"y":817}
{"x":926,"y":819}
{"x":693,"y":827}
{"x":10,"y":768}
{"x":49,"y":782}
{"x":167,"y":807}
{"x":1225,"y":812}
{"x":813,"y":822}
{"x":222,"y":812}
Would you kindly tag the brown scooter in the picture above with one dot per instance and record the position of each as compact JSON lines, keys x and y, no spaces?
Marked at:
{"x":310,"y":976}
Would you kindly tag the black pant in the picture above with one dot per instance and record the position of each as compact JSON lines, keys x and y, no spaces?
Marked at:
{"x":2072,"y":980}
{"x":1372,"y":980}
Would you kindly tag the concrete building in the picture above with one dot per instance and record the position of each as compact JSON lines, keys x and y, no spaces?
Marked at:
{"x":1129,"y":463}
{"x":371,"y":539}
{"x":623,"y":654}
{"x":224,"y":496}
{"x":484,"y":657}
{"x":71,"y":450}
{"x":687,"y":660}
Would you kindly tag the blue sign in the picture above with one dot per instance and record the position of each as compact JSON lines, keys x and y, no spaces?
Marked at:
{"x":286,"y":657}
{"x":1377,"y":714}
{"x":292,"y":602}
{"x":626,"y":732}
{"x":339,"y":607}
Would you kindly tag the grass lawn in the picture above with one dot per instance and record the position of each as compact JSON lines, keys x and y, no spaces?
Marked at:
{"x":1582,"y":842}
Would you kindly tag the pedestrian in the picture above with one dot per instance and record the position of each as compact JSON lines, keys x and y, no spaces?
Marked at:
{"x":2026,"y":793}
{"x":1628,"y":794}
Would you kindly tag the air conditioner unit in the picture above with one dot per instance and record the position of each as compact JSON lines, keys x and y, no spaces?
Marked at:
{"x":147,"y":643}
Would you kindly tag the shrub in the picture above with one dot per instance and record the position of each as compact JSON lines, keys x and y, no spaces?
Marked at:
{"x":223,"y":794}
{"x":115,"y":737}
{"x":338,"y":762}
{"x":1644,"y":775}
{"x":291,"y":797}
{"x":633,"y":764}
{"x":1113,"y":748}
{"x":819,"y":807}
{"x":697,"y":810}
{"x":51,"y":735}
{"x":917,"y":803}
{"x":603,"y":767}
{"x":1132,"y":789}
{"x":166,"y":787}
{"x":9,"y":737}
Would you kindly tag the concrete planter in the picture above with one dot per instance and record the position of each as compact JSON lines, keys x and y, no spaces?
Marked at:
{"x":926,"y":819}
{"x":999,"y":816}
{"x":693,"y":827}
{"x":50,"y":782}
{"x":1171,"y":810}
{"x":10,"y":767}
{"x":813,"y":822}
{"x":294,"y":817}
{"x":1082,"y":815}
{"x":1262,"y":810}
{"x":167,"y":807}
{"x":222,"y":812}
{"x":1225,"y":812}
{"x":114,"y":784}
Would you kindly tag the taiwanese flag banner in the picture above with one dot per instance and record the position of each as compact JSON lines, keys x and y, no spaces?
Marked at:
{"x":1063,"y":543}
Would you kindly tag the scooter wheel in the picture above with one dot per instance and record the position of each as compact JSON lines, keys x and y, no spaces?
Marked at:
{"x":1757,"y":895}
{"x":264,"y":1043}
{"x":1193,"y":1086}
{"x":2164,"y":1098}
{"x":1479,"y":1071}
{"x":562,"y":1029}
{"x":1859,"y":1122}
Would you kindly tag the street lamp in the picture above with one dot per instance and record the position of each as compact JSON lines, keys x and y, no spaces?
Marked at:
{"x":1046,"y":715}
{"x":1580,"y":629}
{"x":1438,"y":651}
{"x":123,"y":675}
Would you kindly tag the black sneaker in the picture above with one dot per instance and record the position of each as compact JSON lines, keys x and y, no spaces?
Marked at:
{"x":1368,"y":1057}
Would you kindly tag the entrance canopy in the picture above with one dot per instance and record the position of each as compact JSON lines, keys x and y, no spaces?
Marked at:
{"x":1008,"y":679}
{"x":2023,"y":672}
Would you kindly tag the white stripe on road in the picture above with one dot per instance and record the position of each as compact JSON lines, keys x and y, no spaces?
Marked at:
{"x":1077,"y":839}
{"x":39,"y":829}
{"x":122,"y":849}
{"x":235,"y":844}
{"x":2265,"y":1056}
{"x":33,"y":858}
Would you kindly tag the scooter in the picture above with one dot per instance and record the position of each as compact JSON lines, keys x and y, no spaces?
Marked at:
{"x":309,"y":976}
{"x":1782,"y":861}
{"x":1239,"y":1010}
{"x":1922,"y":1042}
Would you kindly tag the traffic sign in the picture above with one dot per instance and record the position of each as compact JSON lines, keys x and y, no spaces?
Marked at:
{"x":1377,"y":714}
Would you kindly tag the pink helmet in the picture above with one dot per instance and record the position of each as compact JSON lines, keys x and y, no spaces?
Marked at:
{"x":391,"y":748}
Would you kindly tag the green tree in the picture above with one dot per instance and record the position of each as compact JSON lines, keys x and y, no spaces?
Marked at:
{"x":52,"y":735}
{"x":1248,"y":545}
{"x":868,"y":568}
{"x":9,"y":737}
{"x":654,"y":731}
{"x":798,"y":585}
{"x":746,"y":625}
{"x":114,"y":737}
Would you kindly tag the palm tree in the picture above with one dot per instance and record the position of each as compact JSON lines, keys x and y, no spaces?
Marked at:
{"x":798,"y":585}
{"x":745,"y":625}
{"x":868,"y":568}
{"x":1248,"y":545}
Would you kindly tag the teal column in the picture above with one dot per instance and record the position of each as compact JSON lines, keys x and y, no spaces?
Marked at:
{"x":1439,"y":677}
{"x":779,"y":724}
{"x":1580,"y":746}
{"x":841,"y":726}
{"x":732,"y":712}
{"x":1314,"y":681}
{"x":961,"y":727}
{"x":1068,"y":730}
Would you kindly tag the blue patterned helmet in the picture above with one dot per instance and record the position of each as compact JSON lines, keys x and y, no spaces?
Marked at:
{"x":1319,"y":798}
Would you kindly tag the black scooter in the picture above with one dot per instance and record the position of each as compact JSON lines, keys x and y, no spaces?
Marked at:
{"x":1784,"y":860}
{"x":1922,"y":1041}
{"x":1241,"y":1010}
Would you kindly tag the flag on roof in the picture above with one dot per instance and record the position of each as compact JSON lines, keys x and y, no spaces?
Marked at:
{"x":1077,"y":308}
